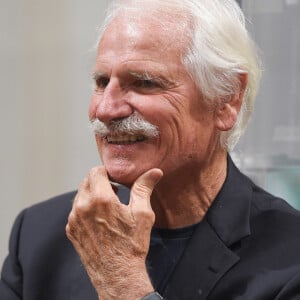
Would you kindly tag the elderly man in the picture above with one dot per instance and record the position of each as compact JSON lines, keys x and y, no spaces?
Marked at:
{"x":175,"y":83}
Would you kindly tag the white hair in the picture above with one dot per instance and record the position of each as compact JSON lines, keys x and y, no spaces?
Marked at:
{"x":218,"y":48}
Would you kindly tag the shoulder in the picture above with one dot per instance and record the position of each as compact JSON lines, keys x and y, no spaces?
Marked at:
{"x":48,"y":219}
{"x":47,"y":215}
{"x":63,"y":202}
{"x":269,"y":263}
{"x":53,"y":213}
{"x":274,"y":213}
{"x":272,"y":223}
{"x":264,"y":207}
{"x":274,"y":227}
{"x":52,"y":209}
{"x":43,"y":224}
{"x":44,"y":214}
{"x":37,"y":242}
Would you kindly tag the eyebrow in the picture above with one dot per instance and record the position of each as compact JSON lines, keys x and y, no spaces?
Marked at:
{"x":144,"y":75}
{"x":141,"y":75}
{"x":96,"y":75}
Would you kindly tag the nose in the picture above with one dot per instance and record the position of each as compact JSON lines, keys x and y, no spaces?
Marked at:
{"x":112,"y":104}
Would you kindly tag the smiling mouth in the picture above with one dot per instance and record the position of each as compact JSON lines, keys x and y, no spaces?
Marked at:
{"x":125,"y":139}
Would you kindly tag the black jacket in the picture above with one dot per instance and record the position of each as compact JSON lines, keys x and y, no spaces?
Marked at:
{"x":246,"y":248}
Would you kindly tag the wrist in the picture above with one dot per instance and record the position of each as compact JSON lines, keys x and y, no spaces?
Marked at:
{"x":130,"y":285}
{"x":152,"y":296}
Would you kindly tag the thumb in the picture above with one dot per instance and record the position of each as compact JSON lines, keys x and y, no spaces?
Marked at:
{"x":143,"y":187}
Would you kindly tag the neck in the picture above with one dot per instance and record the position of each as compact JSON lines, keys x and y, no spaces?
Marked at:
{"x":183,"y":198}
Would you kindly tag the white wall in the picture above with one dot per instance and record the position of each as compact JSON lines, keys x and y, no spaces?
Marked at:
{"x":45,"y":68}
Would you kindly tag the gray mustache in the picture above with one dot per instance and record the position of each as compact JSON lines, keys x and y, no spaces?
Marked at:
{"x":134,"y":124}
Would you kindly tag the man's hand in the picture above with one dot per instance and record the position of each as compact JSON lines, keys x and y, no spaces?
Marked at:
{"x":112,"y":239}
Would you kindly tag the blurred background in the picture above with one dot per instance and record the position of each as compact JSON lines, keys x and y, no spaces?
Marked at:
{"x":46,"y":62}
{"x":270,"y":150}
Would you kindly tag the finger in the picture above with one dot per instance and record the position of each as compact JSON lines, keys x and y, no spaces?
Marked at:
{"x":99,"y":183}
{"x":142,"y":189}
{"x":83,"y":188}
{"x":95,"y":190}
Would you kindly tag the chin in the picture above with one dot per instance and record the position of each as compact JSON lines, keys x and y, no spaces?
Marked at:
{"x":123,"y":181}
{"x":122,"y":176}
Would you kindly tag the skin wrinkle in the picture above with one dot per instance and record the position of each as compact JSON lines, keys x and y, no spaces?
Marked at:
{"x":177,"y":122}
{"x":165,"y":210}
{"x":207,"y":185}
{"x":120,"y":277}
{"x":153,"y":69}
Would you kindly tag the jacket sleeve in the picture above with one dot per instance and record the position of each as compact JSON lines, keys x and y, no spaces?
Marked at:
{"x":11,"y":275}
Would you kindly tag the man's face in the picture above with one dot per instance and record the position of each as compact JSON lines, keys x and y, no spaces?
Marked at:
{"x":139,"y":70}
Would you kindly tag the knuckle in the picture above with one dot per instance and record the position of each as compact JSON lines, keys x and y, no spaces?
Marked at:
{"x":100,"y":202}
{"x":89,"y":205}
{"x":70,"y":231}
{"x":83,"y":208}
{"x":71,"y":219}
{"x":145,"y":214}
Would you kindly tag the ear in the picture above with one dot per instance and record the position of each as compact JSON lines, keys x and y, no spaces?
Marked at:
{"x":227,"y":111}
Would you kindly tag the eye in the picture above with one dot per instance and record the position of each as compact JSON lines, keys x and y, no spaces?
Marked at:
{"x":101,"y":82}
{"x":146,"y":84}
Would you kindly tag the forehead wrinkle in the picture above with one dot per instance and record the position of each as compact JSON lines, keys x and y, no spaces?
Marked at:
{"x":152,"y":50}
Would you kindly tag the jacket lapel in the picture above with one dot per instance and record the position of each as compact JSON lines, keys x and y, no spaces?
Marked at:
{"x":204,"y":262}
{"x":208,"y":256}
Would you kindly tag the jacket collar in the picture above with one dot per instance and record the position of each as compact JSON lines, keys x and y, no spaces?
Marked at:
{"x":230,"y":212}
{"x":208,"y":257}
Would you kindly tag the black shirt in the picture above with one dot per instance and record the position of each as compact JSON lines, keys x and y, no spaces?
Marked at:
{"x":166,"y":248}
